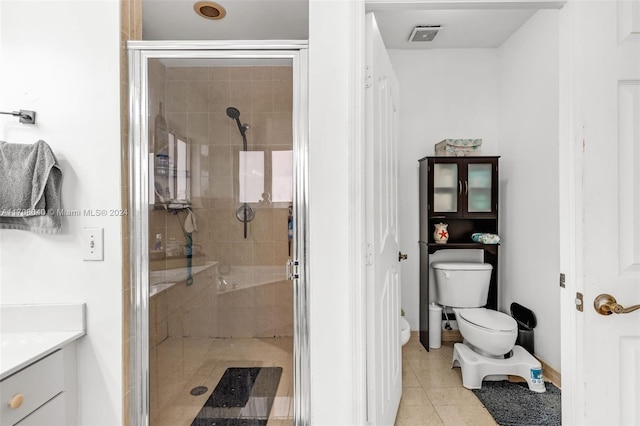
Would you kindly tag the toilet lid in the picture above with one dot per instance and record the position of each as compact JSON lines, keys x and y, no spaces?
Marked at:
{"x":462,"y":266}
{"x":488,"y":318}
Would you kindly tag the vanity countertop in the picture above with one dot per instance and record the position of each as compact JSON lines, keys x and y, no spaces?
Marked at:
{"x":31,"y":332}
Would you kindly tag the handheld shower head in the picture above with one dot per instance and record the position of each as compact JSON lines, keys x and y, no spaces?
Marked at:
{"x":233,"y":113}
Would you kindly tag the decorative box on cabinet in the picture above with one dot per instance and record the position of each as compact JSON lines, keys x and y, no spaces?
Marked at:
{"x":463,"y":193}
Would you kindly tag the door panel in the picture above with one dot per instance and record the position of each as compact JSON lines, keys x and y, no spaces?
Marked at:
{"x":629,"y":180}
{"x":478,"y":188}
{"x":446,"y":187}
{"x":384,"y":359}
{"x":609,"y":82}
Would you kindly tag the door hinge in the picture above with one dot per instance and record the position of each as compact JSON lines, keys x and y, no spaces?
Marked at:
{"x":369,"y":255}
{"x":562,"y":280}
{"x":292,"y":270}
{"x":579,"y":301}
{"x":368,"y":78}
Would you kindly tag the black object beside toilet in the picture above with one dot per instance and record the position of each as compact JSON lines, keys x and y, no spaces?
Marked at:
{"x":526,"y":320}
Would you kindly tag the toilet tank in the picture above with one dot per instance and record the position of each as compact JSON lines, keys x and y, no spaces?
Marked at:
{"x":462,"y":285}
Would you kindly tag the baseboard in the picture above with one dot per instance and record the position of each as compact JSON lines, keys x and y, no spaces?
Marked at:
{"x":550,"y":374}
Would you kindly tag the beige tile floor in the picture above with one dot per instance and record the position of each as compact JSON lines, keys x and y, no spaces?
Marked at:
{"x":432,"y":392}
{"x":180,"y":364}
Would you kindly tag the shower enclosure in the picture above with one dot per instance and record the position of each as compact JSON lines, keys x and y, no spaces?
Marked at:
{"x":218,"y":187}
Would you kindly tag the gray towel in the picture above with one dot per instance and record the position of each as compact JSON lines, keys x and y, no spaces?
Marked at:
{"x":30,"y":186}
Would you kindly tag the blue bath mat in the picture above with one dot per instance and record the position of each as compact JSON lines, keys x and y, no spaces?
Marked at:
{"x":243,"y":397}
{"x":513,"y":404}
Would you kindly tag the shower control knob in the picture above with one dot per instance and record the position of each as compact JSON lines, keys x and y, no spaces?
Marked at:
{"x":401,"y":256}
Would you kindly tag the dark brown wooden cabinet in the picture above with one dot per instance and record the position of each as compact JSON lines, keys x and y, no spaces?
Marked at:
{"x":463,"y":193}
{"x":462,"y":187}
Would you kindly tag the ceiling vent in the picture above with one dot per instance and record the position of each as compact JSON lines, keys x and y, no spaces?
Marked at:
{"x":424,"y":33}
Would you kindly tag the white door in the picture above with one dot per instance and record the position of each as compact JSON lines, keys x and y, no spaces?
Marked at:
{"x":384,"y":357}
{"x":609,"y":87}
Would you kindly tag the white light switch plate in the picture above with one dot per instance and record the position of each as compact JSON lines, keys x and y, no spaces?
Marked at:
{"x":93,"y":243}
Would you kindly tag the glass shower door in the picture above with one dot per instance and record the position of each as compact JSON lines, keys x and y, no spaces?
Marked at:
{"x":211,"y":298}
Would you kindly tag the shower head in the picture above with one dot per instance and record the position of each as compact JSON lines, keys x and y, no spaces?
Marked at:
{"x":233,"y":113}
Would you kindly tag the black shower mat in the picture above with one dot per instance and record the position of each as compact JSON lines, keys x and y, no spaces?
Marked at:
{"x":243,"y":397}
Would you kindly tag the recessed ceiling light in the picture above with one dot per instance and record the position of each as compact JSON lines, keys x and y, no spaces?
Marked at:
{"x":209,"y":10}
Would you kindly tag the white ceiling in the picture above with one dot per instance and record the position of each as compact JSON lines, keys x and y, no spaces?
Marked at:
{"x":459,"y":28}
{"x":467,"y":25}
{"x":245,"y":20}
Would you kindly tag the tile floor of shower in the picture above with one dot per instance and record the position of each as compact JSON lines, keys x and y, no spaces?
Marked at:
{"x":186,"y":362}
{"x":432,"y":391}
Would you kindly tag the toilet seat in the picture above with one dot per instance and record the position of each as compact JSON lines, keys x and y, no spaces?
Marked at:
{"x":486,"y":331}
{"x":487,"y":319}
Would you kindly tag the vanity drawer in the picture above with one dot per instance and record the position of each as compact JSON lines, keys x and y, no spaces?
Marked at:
{"x":50,"y":414}
{"x":38,"y":383}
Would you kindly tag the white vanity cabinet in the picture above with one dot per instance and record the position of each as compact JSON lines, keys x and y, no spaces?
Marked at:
{"x":38,"y":364}
{"x":42,"y":393}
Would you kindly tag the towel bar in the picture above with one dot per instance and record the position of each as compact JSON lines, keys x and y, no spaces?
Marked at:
{"x":27,"y":117}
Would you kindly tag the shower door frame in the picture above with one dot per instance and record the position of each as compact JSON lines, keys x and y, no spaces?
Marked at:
{"x":139,"y":54}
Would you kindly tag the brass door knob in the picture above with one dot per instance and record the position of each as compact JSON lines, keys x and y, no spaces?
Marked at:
{"x":401,"y":256}
{"x":16,"y":401}
{"x":606,"y":304}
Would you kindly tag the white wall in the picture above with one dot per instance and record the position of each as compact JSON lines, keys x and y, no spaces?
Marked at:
{"x":509,"y":98}
{"x":529,"y":175}
{"x":331,"y":204}
{"x":443,"y":94}
{"x":61,"y":59}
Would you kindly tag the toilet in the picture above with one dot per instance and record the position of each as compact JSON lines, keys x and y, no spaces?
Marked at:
{"x":405,"y":331}
{"x":489,"y":336}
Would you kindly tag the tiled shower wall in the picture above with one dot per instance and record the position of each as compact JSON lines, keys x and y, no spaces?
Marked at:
{"x":193,"y":101}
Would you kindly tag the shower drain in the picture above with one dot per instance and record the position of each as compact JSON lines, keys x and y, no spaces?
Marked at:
{"x":199,"y":390}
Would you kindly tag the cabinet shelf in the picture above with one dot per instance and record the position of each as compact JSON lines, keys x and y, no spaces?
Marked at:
{"x":462,"y":245}
{"x":171,"y":206}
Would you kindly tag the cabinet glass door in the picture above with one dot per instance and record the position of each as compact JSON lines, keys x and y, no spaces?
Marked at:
{"x":478,"y":188}
{"x":445,"y":187}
